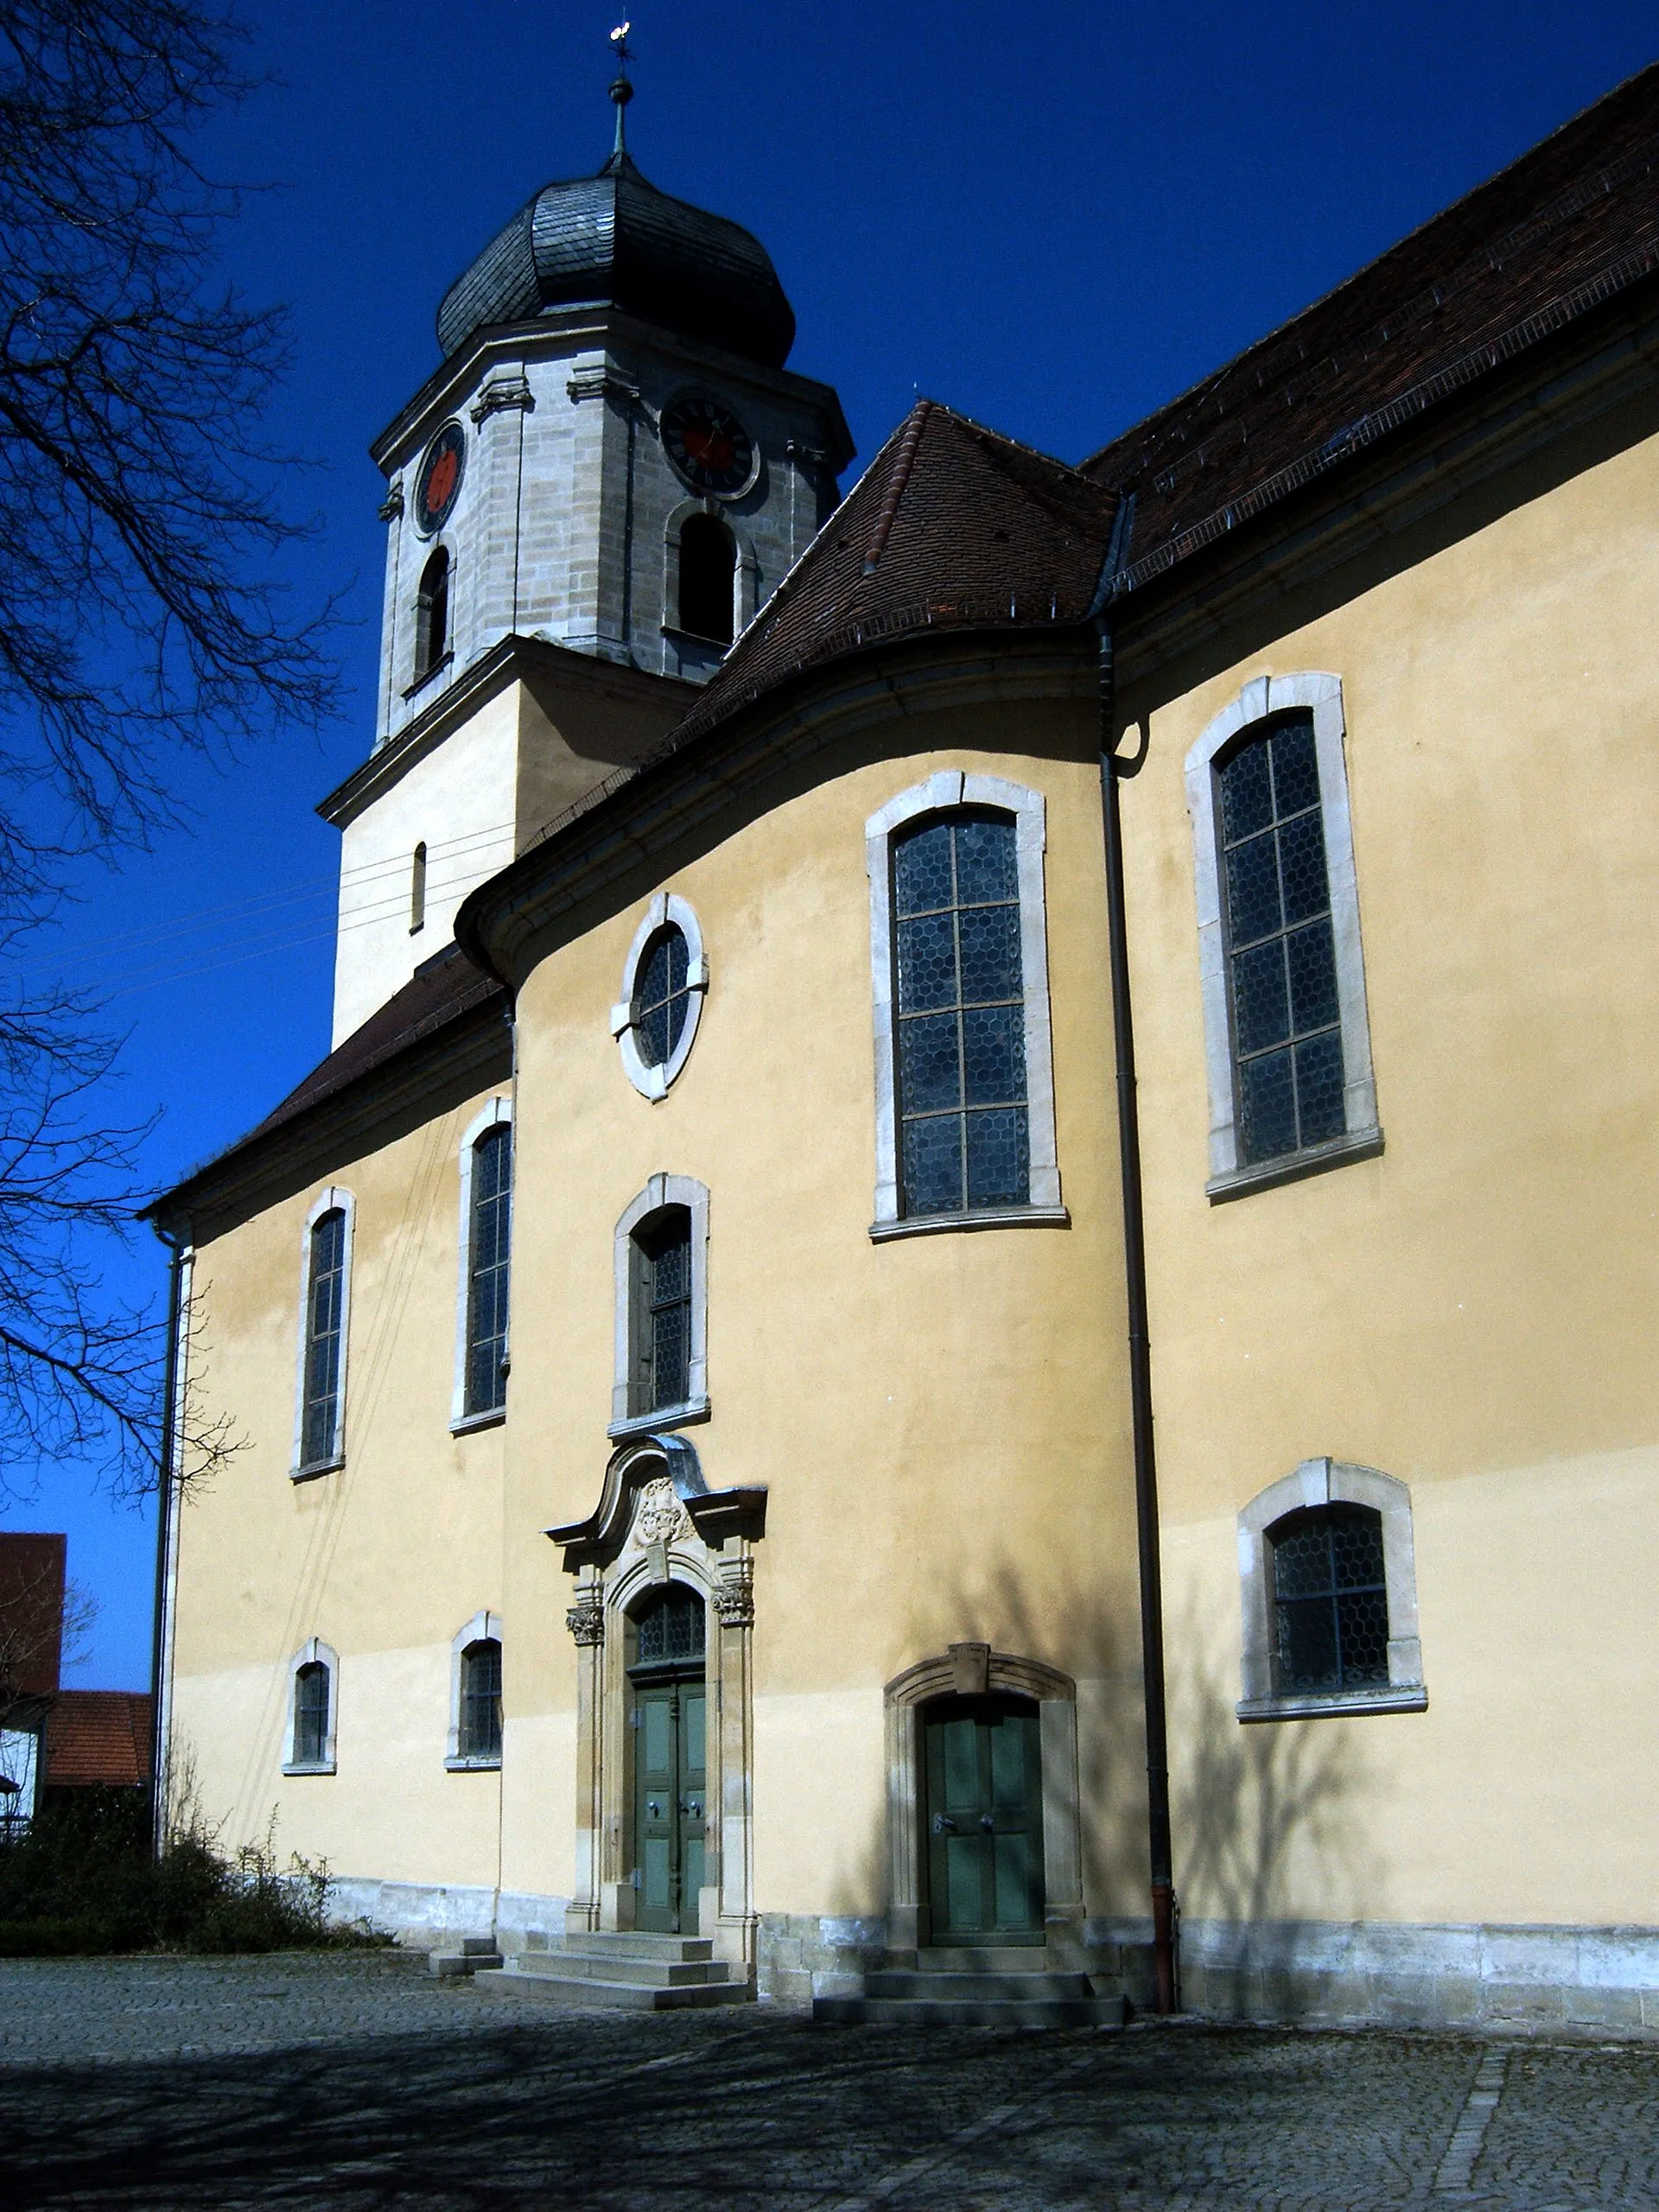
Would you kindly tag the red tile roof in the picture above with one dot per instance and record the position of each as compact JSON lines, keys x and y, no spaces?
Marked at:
{"x":98,"y":1736}
{"x":1570,"y":224}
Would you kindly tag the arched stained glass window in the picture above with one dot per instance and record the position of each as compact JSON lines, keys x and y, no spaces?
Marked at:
{"x":1330,"y":1599}
{"x":311,"y":1687}
{"x":488,"y":1270}
{"x":325,"y":1309}
{"x":964,"y":1138}
{"x":480,"y":1734}
{"x":1282,"y":959}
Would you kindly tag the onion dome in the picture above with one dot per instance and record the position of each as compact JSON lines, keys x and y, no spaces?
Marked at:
{"x":614,"y":240}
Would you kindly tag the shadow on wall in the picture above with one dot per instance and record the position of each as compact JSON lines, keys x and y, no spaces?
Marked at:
{"x":1259,"y":1812}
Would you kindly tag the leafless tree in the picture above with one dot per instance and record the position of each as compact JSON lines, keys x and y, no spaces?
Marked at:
{"x":140,"y":621}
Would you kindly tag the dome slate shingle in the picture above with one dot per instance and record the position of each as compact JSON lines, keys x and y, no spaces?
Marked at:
{"x":615,"y":238}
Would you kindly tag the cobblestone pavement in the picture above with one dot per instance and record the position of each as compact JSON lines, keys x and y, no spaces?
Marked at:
{"x":349,"y":2083}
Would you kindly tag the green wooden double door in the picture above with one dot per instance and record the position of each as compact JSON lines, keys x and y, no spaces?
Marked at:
{"x":670,"y":1800}
{"x":982,"y":1757}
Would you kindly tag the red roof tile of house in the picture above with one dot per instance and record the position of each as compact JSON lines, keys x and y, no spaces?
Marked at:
{"x":98,"y":1736}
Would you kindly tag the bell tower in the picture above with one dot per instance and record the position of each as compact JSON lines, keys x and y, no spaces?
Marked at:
{"x":605,"y":479}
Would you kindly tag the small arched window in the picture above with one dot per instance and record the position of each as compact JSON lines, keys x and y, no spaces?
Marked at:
{"x":479,"y":1736}
{"x":432,"y":614}
{"x":311,"y":1710}
{"x":325,"y":1313}
{"x":489,"y":1236}
{"x":961,"y":1044}
{"x":661,"y":1311}
{"x":1330,"y":1599}
{"x":707,"y":578}
{"x":417,"y":890}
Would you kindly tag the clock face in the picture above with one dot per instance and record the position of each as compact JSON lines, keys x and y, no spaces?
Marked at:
{"x":441,"y":473}
{"x":708,"y":445}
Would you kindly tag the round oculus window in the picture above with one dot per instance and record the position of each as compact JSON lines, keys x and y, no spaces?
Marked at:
{"x":708,"y":445}
{"x":439,"y":485}
{"x":662,"y":996}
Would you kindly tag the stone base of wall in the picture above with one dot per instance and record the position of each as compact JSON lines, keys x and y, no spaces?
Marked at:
{"x":1483,"y":1977}
{"x":801,"y":1955}
{"x":423,"y":1914}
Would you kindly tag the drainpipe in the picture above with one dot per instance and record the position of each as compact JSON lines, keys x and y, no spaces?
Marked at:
{"x":160,"y":1654}
{"x":1113,"y":770}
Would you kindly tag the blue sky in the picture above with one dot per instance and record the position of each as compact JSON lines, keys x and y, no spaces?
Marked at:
{"x":1054,"y":224}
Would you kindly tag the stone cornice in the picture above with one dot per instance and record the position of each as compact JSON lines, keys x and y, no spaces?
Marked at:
{"x":584,"y":329}
{"x":466,"y":1054}
{"x":510,"y":659}
{"x":603,"y":842}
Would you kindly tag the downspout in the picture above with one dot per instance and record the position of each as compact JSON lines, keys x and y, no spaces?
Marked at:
{"x":1114,"y":769}
{"x":160,"y":1656}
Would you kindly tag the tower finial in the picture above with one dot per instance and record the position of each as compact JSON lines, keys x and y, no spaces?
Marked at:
{"x":621,"y":90}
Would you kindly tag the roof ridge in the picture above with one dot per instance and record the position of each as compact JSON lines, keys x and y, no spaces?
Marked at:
{"x":904,"y":461}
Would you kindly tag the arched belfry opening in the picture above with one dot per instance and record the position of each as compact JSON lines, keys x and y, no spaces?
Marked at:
{"x":707,"y":579}
{"x":432,"y":614}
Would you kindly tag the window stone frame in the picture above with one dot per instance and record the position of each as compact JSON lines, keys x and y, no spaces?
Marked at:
{"x":484,"y":1627}
{"x":661,"y":1191}
{"x":946,"y":793}
{"x":496,"y":1114}
{"x":333,"y":1199}
{"x":311,"y":1653}
{"x":1262,"y":700}
{"x":654,"y":1082}
{"x":1329,"y":1482}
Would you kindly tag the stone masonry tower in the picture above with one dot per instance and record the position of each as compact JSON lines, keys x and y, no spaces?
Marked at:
{"x":606,"y":477}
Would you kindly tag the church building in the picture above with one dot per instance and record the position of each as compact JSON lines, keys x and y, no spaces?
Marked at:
{"x":963,"y":1324}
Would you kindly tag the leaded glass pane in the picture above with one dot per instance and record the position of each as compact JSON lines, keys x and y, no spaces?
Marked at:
{"x":324,"y":1311}
{"x":661,"y":999}
{"x":1331,"y":1607}
{"x":963,"y":1140}
{"x":669,"y":1627}
{"x":310,"y":1714}
{"x":663,"y":1318}
{"x":488,"y":1268}
{"x":481,"y":1700}
{"x":1282,"y":954}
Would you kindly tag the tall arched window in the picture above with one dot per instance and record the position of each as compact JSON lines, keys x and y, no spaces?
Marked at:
{"x":311,"y":1717}
{"x":325,"y":1328}
{"x":662,"y":1332}
{"x":489,"y":1236}
{"x":417,"y":890}
{"x":432,"y":614}
{"x":964,"y":1136}
{"x":707,"y":578}
{"x":479,"y":1736}
{"x":1330,"y":1599}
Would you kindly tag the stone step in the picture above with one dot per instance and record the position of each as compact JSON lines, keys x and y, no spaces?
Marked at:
{"x":577,"y":1989}
{"x":612,"y":1965}
{"x":973,"y":2012}
{"x":449,"y":1964}
{"x":637,"y":1943}
{"x":888,"y":1982}
{"x":971,"y":1957}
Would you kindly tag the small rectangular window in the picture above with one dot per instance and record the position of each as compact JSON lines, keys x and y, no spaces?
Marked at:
{"x":1281,"y":965}
{"x":325,"y":1308}
{"x":663,"y":1311}
{"x":488,"y":1269}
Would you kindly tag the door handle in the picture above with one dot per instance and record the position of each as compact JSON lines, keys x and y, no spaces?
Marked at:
{"x":653,"y":1810}
{"x":944,"y":1825}
{"x":988,"y":1824}
{"x":692,"y":1808}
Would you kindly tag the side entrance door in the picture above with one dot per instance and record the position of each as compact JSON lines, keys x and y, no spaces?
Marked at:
{"x":668,"y":1801}
{"x":984,"y":1812}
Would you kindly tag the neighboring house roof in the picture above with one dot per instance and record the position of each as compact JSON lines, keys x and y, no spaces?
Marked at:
{"x":98,"y":1736}
{"x":1569,"y":225}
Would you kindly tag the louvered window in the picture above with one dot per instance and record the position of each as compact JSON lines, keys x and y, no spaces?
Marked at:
{"x":1281,"y":965}
{"x":489,"y":1241}
{"x":960,"y":1048}
{"x":324,"y":1316}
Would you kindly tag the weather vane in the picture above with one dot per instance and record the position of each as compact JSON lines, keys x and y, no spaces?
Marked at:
{"x":621,"y":90}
